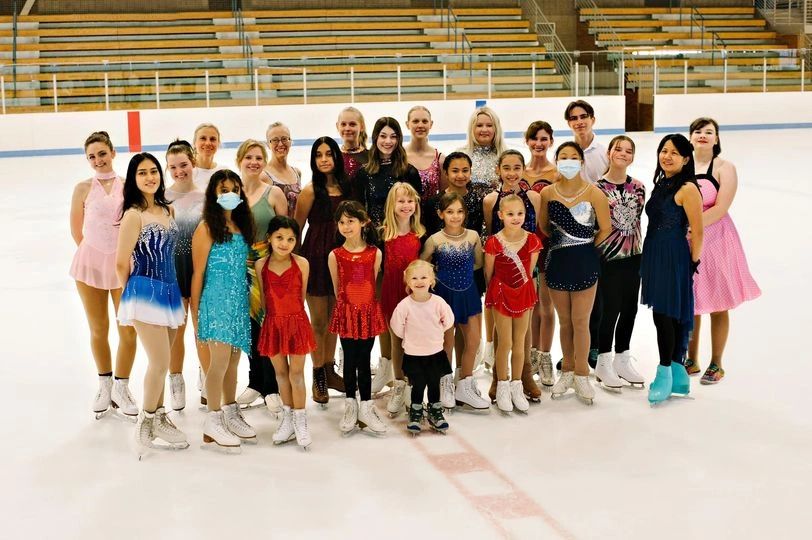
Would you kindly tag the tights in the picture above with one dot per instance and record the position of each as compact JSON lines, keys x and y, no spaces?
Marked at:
{"x":261,"y":375}
{"x":670,"y":339}
{"x":157,"y":342}
{"x":424,"y":374}
{"x":357,"y":374}
{"x":619,"y":289}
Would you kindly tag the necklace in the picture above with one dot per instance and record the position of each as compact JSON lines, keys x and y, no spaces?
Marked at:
{"x":455,"y":236}
{"x":570,"y":199}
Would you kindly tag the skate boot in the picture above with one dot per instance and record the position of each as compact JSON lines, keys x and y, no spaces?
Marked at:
{"x":217,"y":436}
{"x":517,"y":397}
{"x":415,"y":419}
{"x":273,"y":403}
{"x":320,"y":394}
{"x":237,"y":425}
{"x":177,"y":391}
{"x":368,"y":418}
{"x":503,"y":398}
{"x":396,"y":403}
{"x":143,"y":432}
{"x":247,"y":398}
{"x":437,"y":421}
{"x":407,"y":395}
{"x":564,"y":383}
{"x":467,"y":397}
{"x":605,"y":373}
{"x":546,"y":368}
{"x":163,"y":428}
{"x":447,"y":391}
{"x":680,"y":381}
{"x":488,"y":357}
{"x":340,"y":368}
{"x":583,"y":388}
{"x":350,"y":418}
{"x":492,"y":389}
{"x":303,"y":438}
{"x":529,"y":386}
{"x":285,"y":432}
{"x":625,"y":369}
{"x":334,"y":380}
{"x":101,"y":404}
{"x":660,"y":387}
{"x":122,"y":399}
{"x":593,"y":358}
{"x":712,"y":375}
{"x":384,"y":376}
{"x":535,"y":360}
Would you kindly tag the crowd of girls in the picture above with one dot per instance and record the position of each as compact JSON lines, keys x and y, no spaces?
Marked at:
{"x":403,"y":244}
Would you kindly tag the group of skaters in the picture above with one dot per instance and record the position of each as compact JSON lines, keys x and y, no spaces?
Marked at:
{"x":401,"y":243}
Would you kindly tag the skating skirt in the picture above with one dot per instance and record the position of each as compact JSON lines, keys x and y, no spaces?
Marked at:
{"x":665,"y":273}
{"x":354,"y":321}
{"x":511,"y":301}
{"x":151,"y":301}
{"x":183,"y":270}
{"x":289,"y":334}
{"x":94,"y":267}
{"x":573,"y":268}
{"x":724,"y":279}
{"x":429,"y":368}
{"x":464,"y":304}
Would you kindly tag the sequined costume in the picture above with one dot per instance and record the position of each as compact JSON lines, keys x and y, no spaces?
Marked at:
{"x":724,"y":280}
{"x":188,"y":212}
{"x":319,"y":241}
{"x":373,"y":188}
{"x":291,"y":191}
{"x":397,"y":254}
{"x":626,"y":202}
{"x":151,"y":294}
{"x":511,"y":290}
{"x":454,"y":260}
{"x":223,"y":312}
{"x":473,"y":206}
{"x":537,"y":186}
{"x":354,"y":162}
{"x":357,"y":313}
{"x":572,"y":263}
{"x":94,"y":263}
{"x":286,"y":328}
{"x":430,"y":177}
{"x":529,"y":224}
{"x":484,"y":177}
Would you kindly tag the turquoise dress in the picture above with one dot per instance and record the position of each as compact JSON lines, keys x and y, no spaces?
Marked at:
{"x":223,"y":313}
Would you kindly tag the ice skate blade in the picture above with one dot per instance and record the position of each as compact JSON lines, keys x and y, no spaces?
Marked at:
{"x":442,"y":431}
{"x":369,"y":431}
{"x":586,"y":401}
{"x":304,"y":449}
{"x":212,"y":445}
{"x":253,"y":405}
{"x":532,"y":399}
{"x":464,"y":407}
{"x":612,"y":389}
{"x":280,"y":443}
{"x":636,"y":385}
{"x":248,"y":440}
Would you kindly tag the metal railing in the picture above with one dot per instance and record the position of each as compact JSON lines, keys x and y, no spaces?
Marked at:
{"x":245,"y":44}
{"x":546,"y":32}
{"x":782,"y":11}
{"x":449,"y":19}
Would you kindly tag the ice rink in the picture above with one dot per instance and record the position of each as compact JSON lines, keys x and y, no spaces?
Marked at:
{"x":732,"y":463}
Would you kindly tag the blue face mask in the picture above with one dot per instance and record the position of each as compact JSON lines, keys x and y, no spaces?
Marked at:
{"x":569,"y":168}
{"x":229,"y":201}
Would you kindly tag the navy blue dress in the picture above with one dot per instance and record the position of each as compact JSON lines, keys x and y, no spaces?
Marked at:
{"x":455,"y":279}
{"x":572,"y":262}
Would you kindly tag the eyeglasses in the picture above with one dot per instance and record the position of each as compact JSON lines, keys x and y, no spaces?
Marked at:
{"x":584,"y":116}
{"x":277,"y":140}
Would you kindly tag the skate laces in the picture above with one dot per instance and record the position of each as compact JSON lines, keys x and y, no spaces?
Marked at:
{"x":125,"y":393}
{"x":321,"y":380}
{"x":348,"y":408}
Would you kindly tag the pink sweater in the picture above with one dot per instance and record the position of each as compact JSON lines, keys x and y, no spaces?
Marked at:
{"x":421,"y":325}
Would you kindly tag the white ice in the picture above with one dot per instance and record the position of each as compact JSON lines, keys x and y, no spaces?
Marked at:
{"x":732,"y":463}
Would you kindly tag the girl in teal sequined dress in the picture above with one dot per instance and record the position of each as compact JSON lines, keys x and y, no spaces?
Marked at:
{"x":220,"y":303}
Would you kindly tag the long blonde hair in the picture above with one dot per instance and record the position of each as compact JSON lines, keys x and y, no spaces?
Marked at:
{"x":389,"y":229}
{"x":362,"y":132}
{"x":498,"y":135}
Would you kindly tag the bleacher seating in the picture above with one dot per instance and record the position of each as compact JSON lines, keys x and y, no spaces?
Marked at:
{"x":171,"y":58}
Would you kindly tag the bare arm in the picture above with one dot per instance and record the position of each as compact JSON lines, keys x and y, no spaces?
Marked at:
{"x":691,"y":201}
{"x":127,"y":238}
{"x":378,"y":261}
{"x":487,"y":211}
{"x":543,"y":215}
{"x":728,"y":185}
{"x":258,"y":269}
{"x":332,"y":265}
{"x":443,"y":176}
{"x":201,"y":245}
{"x":478,"y":253}
{"x":77,"y":210}
{"x":277,"y":200}
{"x":428,"y":249}
{"x":304,"y":204}
{"x":304,"y":267}
{"x":601,"y":205}
{"x":489,"y":260}
{"x":535,"y":200}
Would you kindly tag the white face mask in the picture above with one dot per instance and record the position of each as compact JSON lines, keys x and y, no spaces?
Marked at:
{"x":569,"y":168}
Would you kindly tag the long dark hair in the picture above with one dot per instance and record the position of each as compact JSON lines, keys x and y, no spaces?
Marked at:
{"x":356,"y":210}
{"x":215,"y":217}
{"x":133,"y":198}
{"x":686,"y":150}
{"x":399,"y":160}
{"x":320,"y":179}
{"x":283,"y":222}
{"x":699,"y":123}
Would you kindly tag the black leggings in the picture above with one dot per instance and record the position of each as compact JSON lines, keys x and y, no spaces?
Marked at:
{"x":261,"y":375}
{"x":620,"y":287}
{"x":596,"y":315}
{"x":357,"y":373}
{"x":424,"y":373}
{"x":671,"y":339}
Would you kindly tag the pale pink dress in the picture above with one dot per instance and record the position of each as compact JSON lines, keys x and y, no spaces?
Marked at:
{"x":95,"y":261}
{"x":724,"y":279}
